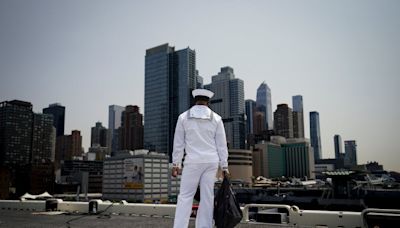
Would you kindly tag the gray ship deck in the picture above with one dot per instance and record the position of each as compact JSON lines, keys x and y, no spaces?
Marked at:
{"x":22,"y":219}
{"x":96,"y":213}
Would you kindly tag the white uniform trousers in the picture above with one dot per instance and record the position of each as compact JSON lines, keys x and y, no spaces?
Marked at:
{"x":192,"y":175}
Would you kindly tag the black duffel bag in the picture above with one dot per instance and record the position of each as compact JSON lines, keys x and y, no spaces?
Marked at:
{"x":227,"y":213}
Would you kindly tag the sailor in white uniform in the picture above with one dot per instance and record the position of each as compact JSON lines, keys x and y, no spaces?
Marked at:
{"x":200,"y":134}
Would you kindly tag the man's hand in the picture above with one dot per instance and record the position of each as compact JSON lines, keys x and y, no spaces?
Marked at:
{"x":175,"y":171}
{"x":225,"y":172}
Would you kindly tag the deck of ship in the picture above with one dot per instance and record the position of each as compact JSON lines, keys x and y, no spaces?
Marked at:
{"x":18,"y":219}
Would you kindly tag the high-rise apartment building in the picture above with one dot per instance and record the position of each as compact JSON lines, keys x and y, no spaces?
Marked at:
{"x":283,"y":121}
{"x":131,"y":130}
{"x":315,"y":135}
{"x":350,"y":148}
{"x":228,"y":102}
{"x":298,"y":117}
{"x":16,"y":121}
{"x":58,"y":112}
{"x":114,"y":122}
{"x":264,"y":104}
{"x":170,"y":77}
{"x":98,"y":135}
{"x":337,"y":141}
{"x":43,"y":139}
{"x":68,"y":147}
{"x":26,"y":146}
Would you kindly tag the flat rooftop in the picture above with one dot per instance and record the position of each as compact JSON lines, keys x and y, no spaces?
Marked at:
{"x":19,"y":218}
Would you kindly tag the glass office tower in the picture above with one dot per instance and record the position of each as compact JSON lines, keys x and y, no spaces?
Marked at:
{"x":264,"y":104}
{"x":298,"y":117}
{"x":315,"y":135}
{"x":350,"y":148}
{"x":337,"y":140}
{"x":250,"y":108}
{"x":228,"y":102}
{"x":170,"y":77}
{"x":114,"y":122}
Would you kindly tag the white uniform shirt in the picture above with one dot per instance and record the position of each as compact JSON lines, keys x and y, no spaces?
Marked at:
{"x":200,"y":133}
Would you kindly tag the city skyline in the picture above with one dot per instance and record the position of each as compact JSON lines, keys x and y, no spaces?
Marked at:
{"x":341,"y":57}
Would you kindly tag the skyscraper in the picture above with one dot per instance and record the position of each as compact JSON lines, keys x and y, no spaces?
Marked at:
{"x":199,"y":81}
{"x":315,"y":135}
{"x":337,"y":140}
{"x":44,"y":138}
{"x":350,"y":148}
{"x":250,"y":109}
{"x":298,"y":117}
{"x":114,"y":122}
{"x":26,"y":144}
{"x":228,"y":102}
{"x":58,"y":112}
{"x":131,"y":130}
{"x":98,"y":135}
{"x":297,"y":103}
{"x":170,"y":77}
{"x":16,"y":121}
{"x":264,"y":104}
{"x":283,"y":121}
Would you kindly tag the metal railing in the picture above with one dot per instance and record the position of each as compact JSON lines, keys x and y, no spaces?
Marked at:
{"x":384,"y":214}
{"x":246,"y":208}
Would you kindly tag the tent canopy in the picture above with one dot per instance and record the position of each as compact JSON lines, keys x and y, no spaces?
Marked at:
{"x":28,"y":196}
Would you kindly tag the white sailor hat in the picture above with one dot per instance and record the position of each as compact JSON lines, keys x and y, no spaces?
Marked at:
{"x":202,"y":92}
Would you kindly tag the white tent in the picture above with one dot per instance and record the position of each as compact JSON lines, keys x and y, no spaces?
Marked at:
{"x":28,"y":196}
{"x":44,"y":195}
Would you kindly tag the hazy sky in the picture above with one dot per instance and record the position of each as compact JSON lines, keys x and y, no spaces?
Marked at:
{"x":343,"y":57}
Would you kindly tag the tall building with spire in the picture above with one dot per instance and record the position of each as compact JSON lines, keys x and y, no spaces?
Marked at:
{"x":315,"y":135}
{"x":170,"y":77}
{"x":264,"y":104}
{"x":298,"y":117}
{"x":228,"y":102}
